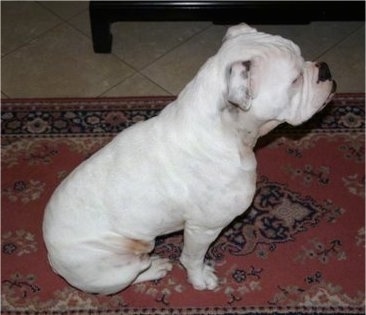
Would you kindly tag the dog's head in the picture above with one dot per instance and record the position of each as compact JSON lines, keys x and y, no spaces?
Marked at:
{"x":267,"y":77}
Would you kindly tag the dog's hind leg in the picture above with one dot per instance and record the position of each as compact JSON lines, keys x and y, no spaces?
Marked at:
{"x":116,"y":272}
{"x":110,"y":273}
{"x":107,"y":272}
{"x":138,"y":269}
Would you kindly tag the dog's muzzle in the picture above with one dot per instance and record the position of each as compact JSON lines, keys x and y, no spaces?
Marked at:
{"x":325,"y":75}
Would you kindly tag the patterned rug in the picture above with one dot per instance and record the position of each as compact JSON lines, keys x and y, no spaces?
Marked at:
{"x":300,"y":248}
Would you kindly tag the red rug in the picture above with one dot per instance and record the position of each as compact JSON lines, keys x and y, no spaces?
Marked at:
{"x":300,"y":248}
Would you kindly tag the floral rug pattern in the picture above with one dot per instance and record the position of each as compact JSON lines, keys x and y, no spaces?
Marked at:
{"x":299,"y":249}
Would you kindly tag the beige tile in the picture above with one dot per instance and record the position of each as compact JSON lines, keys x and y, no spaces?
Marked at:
{"x":140,"y":43}
{"x":60,"y":64}
{"x":177,"y":68}
{"x":314,"y":38}
{"x":347,"y":62}
{"x":65,"y":9}
{"x":21,"y":21}
{"x":137,"y":85}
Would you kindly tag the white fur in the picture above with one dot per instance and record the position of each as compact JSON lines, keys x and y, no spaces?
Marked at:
{"x":192,"y":167}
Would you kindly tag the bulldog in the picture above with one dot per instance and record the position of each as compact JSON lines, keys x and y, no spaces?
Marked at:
{"x":190,"y":168}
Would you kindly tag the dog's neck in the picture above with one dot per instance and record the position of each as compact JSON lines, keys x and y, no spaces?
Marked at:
{"x":246,"y":130}
{"x":245,"y":126}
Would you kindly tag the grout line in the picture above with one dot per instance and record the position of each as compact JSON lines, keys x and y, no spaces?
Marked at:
{"x":77,"y":29}
{"x":30,"y":40}
{"x":55,"y":13}
{"x":136,"y":71}
{"x":177,"y":46}
{"x":129,"y":77}
{"x":147,"y":78}
{"x":339,"y":42}
{"x":6,"y":95}
{"x":118,"y":83}
{"x":168,"y":52}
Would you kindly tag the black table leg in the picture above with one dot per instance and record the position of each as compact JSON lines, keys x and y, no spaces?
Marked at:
{"x":101,"y":30}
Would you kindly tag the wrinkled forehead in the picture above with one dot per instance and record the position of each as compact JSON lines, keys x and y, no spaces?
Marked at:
{"x":249,"y":45}
{"x":280,"y":53}
{"x":267,"y":53}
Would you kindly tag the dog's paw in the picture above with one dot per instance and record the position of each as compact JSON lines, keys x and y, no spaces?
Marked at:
{"x":158,"y":269}
{"x":205,"y":279}
{"x":160,"y":266}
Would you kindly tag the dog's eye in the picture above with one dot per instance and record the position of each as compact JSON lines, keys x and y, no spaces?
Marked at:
{"x":298,"y":79}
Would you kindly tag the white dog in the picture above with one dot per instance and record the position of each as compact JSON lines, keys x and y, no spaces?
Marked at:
{"x":192,"y":167}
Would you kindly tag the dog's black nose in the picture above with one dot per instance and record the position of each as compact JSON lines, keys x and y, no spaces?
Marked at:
{"x":324,"y":72}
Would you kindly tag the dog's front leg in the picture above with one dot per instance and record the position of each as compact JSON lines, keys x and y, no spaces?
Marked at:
{"x":196,"y":242}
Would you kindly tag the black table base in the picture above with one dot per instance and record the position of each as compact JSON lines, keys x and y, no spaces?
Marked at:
{"x":104,"y":13}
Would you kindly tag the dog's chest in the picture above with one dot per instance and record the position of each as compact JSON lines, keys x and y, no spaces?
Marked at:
{"x":220,"y":198}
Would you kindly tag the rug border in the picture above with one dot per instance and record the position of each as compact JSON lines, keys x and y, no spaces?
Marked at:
{"x":188,"y":311}
{"x":286,"y":310}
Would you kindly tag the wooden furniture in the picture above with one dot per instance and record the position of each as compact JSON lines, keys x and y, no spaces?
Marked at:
{"x":104,"y":13}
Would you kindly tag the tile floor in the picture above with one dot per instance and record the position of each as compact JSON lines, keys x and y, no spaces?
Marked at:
{"x":46,"y":51}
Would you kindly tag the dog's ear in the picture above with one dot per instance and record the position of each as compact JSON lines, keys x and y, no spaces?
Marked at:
{"x":237,"y":30}
{"x":239,"y":85}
